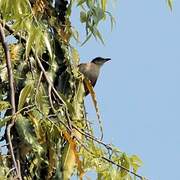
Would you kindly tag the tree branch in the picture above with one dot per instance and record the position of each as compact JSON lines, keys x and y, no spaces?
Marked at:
{"x":12,"y":95}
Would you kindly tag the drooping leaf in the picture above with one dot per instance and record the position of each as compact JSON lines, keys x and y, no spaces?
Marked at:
{"x":70,"y":154}
{"x":87,"y":38}
{"x":103,"y":4}
{"x":98,"y":15}
{"x":170,"y":4}
{"x":99,"y":35}
{"x":25,"y":92}
{"x":83,"y":17}
{"x":37,"y":128}
{"x":93,"y":95}
{"x":30,"y":41}
{"x":42,"y":101}
{"x":112,"y":20}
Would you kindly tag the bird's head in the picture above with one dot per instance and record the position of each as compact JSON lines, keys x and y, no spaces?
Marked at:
{"x":100,"y":61}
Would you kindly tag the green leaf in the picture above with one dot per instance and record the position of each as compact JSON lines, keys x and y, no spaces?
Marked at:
{"x":112,"y":19}
{"x":98,"y":15}
{"x":83,"y":17}
{"x":80,"y":2}
{"x":170,"y":4}
{"x":69,"y":105}
{"x":90,"y":4}
{"x":26,"y":133}
{"x":4,"y":105}
{"x":87,"y":38}
{"x":42,"y":100}
{"x":25,"y":92}
{"x":96,"y":33}
{"x":125,"y":162}
{"x":4,"y":121}
{"x":135,"y":162}
{"x":32,"y":35}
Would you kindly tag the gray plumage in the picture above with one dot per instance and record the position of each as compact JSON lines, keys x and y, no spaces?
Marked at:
{"x":91,"y":70}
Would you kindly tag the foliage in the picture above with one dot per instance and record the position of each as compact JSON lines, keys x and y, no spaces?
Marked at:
{"x":51,"y":135}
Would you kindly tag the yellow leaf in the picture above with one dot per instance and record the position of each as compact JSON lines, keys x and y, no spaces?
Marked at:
{"x":72,"y":154}
{"x":4,"y":105}
{"x":75,"y":56}
{"x":93,"y":95}
{"x":103,"y":4}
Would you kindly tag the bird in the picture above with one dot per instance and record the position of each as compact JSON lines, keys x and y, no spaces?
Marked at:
{"x":91,"y":70}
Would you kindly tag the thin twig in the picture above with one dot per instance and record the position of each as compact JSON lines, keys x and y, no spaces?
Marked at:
{"x":10,"y":171}
{"x":92,"y":137}
{"x":12,"y":95}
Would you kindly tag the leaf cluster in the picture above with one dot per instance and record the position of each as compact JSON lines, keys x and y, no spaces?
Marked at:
{"x":92,"y":13}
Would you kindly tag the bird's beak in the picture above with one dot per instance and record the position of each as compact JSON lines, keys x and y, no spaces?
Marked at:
{"x":107,"y":59}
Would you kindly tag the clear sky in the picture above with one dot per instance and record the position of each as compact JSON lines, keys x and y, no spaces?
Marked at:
{"x":139,"y":90}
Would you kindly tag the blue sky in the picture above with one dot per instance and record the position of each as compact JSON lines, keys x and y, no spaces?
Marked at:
{"x":139,"y":90}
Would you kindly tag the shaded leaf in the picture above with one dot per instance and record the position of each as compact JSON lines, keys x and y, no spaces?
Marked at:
{"x":25,"y":131}
{"x":42,"y":100}
{"x":83,"y":17}
{"x":37,"y":128}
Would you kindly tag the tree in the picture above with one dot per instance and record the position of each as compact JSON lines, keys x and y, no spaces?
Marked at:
{"x":47,"y":133}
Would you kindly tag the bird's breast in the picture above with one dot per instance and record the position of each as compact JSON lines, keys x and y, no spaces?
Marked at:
{"x":90,"y":71}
